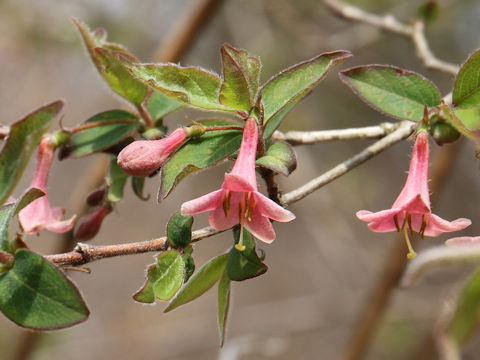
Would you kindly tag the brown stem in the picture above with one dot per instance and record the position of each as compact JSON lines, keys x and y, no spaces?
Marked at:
{"x":272,"y":186}
{"x":378,"y":299}
{"x":183,"y":37}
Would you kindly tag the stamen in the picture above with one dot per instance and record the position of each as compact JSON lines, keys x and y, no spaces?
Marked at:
{"x":395,"y":220}
{"x":424,"y":226}
{"x":250,"y":205}
{"x":411,"y":253}
{"x":239,"y":246}
{"x":226,"y":203}
{"x":409,"y":220}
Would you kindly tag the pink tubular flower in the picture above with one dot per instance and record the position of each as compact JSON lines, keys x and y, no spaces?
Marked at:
{"x":38,"y":214}
{"x":412,"y":207}
{"x":143,"y":157}
{"x":238,"y":201}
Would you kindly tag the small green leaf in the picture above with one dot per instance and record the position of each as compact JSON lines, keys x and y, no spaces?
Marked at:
{"x":245,"y":264}
{"x":223,"y":305}
{"x":241,"y":73}
{"x":163,"y":278}
{"x":393,"y":91}
{"x":189,"y":263}
{"x":451,"y":117}
{"x":190,"y":86}
{"x":179,"y":230}
{"x":109,"y":59}
{"x":467,"y":314}
{"x":280,"y":157}
{"x":466,"y":92}
{"x":200,"y":153}
{"x":283,"y":91}
{"x":137,"y":185}
{"x":429,"y":11}
{"x":200,"y":282}
{"x":100,"y":132}
{"x":23,"y":138}
{"x":36,"y":294}
{"x":116,"y":180}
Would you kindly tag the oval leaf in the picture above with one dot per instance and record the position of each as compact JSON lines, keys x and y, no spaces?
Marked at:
{"x":466,"y":92}
{"x":241,"y":74}
{"x":245,"y":264}
{"x":23,"y":138}
{"x":223,"y":305}
{"x":116,"y":180}
{"x":280,"y":157}
{"x":36,"y":294}
{"x":101,"y":132}
{"x":163,"y":278}
{"x":138,"y":184}
{"x":393,"y":91}
{"x":179,"y":230}
{"x":283,"y":91}
{"x":191,"y":86}
{"x":200,"y":282}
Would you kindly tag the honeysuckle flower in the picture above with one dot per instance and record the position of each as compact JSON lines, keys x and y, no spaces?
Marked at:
{"x":463,"y":241}
{"x":38,"y":214}
{"x":143,"y":157}
{"x":238,"y":201}
{"x":412,"y":207}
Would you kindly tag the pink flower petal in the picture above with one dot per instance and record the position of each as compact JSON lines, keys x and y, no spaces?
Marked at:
{"x":416,"y":205}
{"x":217,"y":218}
{"x":244,"y":166}
{"x":235,"y":182}
{"x":260,"y":227}
{"x":436,"y":225}
{"x":463,"y":241}
{"x":382,"y":221}
{"x":61,"y":226}
{"x":204,"y":203}
{"x":271,"y":209}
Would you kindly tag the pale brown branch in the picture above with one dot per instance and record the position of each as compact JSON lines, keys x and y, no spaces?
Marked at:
{"x":404,"y":130}
{"x":313,"y":137}
{"x":4,"y":131}
{"x":415,"y":31}
{"x":84,"y":253}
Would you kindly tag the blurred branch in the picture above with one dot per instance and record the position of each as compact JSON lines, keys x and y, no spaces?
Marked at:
{"x":84,"y":253}
{"x":313,"y":137}
{"x":183,"y":37}
{"x":4,"y":131}
{"x":415,"y":31}
{"x":404,"y":130}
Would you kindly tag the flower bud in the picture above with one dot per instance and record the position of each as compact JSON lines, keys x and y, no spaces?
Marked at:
{"x":444,"y":133}
{"x":96,"y":197}
{"x":89,"y":225}
{"x":143,"y":157}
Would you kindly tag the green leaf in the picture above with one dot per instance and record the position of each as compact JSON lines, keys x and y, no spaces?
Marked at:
{"x":199,"y":153}
{"x":451,"y":117}
{"x":200,"y":282}
{"x":466,"y":92}
{"x":283,"y":91}
{"x":10,"y":210}
{"x":469,"y":117}
{"x":241,"y":73}
{"x":280,"y":157}
{"x":163,"y":278}
{"x":116,"y":180}
{"x":179,"y":230}
{"x":467,"y":314}
{"x":137,"y":185}
{"x":190,"y":86}
{"x":189,"y":263}
{"x":392,"y":91}
{"x":101,"y":132}
{"x":36,"y":294}
{"x":223,"y":305}
{"x":23,"y":138}
{"x":245,"y":264}
{"x":109,"y":59}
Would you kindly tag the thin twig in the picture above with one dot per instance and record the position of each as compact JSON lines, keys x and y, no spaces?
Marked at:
{"x":416,"y":32}
{"x":313,"y":137}
{"x":404,"y":130}
{"x":84,"y":253}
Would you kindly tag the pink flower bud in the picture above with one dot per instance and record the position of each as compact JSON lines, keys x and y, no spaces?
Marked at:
{"x":89,"y":225}
{"x":143,"y":157}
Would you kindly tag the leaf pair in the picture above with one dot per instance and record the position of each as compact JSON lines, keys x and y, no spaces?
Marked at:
{"x":33,"y":292}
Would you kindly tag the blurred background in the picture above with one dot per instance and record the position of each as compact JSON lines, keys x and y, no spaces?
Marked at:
{"x":322,"y":265}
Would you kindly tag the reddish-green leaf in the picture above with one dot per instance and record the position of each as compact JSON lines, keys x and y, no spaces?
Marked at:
{"x":466,"y":92}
